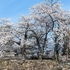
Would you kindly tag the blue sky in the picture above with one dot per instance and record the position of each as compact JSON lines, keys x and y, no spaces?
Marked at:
{"x":14,"y":8}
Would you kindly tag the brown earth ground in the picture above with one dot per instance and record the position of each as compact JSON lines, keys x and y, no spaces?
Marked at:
{"x":33,"y":65}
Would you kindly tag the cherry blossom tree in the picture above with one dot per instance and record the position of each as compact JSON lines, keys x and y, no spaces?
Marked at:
{"x":44,"y":18}
{"x":48,"y":17}
{"x":34,"y":30}
{"x":21,"y":33}
{"x":5,"y":35}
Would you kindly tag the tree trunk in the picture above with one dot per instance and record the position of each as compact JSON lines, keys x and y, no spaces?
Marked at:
{"x":56,"y":51}
{"x":67,"y":53}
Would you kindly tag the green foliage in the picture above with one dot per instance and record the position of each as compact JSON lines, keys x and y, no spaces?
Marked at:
{"x":1,"y":60}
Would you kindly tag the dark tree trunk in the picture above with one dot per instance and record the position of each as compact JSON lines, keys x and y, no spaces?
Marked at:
{"x":56,"y":49}
{"x":39,"y":48}
{"x":67,"y":53}
{"x":23,"y":50}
